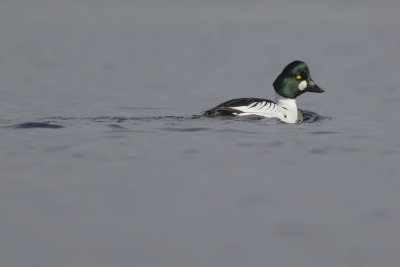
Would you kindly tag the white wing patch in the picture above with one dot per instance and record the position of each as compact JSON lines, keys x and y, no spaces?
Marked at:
{"x":263,"y":108}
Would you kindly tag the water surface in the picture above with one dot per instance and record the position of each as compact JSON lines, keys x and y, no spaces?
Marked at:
{"x":102,"y":163}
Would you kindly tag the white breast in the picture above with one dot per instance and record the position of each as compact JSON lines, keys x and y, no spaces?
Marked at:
{"x":290,"y":106}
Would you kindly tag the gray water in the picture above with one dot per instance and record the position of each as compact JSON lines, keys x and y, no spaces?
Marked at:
{"x":102,"y":163}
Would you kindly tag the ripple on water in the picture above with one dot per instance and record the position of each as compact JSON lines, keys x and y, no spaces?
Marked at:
{"x":116,"y":126}
{"x":310,"y":117}
{"x":115,"y":120}
{"x":324,"y":132}
{"x":320,"y":151}
{"x":30,"y":125}
{"x":193,"y":129}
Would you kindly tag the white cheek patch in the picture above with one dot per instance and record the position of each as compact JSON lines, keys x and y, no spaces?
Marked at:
{"x":302,"y":85}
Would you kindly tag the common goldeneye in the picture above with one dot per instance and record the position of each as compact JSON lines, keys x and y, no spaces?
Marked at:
{"x":294,"y":80}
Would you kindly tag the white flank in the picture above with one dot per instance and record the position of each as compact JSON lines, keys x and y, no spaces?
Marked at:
{"x":262,"y":108}
{"x":285,"y":109}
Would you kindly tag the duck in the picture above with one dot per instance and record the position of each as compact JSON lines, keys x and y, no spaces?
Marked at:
{"x":293,"y":81}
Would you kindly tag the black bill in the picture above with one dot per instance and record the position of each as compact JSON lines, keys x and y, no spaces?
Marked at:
{"x":313,"y":87}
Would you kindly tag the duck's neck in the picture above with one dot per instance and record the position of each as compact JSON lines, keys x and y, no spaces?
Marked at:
{"x":290,"y":107}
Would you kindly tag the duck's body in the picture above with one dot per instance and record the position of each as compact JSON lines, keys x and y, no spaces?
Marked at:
{"x":293,"y":81}
{"x":284,"y":109}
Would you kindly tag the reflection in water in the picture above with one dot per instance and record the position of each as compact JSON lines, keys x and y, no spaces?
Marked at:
{"x":309,"y":117}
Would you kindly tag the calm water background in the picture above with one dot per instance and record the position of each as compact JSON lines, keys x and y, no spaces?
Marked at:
{"x":121,"y":184}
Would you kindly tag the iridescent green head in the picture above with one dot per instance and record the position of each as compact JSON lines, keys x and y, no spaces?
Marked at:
{"x":295,"y":80}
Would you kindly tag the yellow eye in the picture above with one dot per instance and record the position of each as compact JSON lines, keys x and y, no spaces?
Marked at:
{"x":298,"y":77}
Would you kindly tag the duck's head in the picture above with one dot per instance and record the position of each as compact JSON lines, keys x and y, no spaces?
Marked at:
{"x":295,"y":80}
